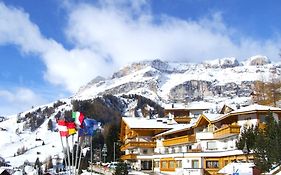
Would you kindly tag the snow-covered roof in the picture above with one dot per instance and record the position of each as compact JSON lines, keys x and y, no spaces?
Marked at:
{"x":237,"y":167}
{"x":249,"y":109}
{"x":174,"y":106}
{"x":256,"y":107}
{"x":144,"y":123}
{"x":212,"y":117}
{"x":177,"y":128}
{"x":199,"y":105}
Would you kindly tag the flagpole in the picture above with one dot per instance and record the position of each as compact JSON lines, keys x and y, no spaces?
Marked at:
{"x":72,"y":162}
{"x":91,"y":154}
{"x":82,"y":147}
{"x":63,"y":152}
{"x":76,"y":153}
{"x":67,"y":147}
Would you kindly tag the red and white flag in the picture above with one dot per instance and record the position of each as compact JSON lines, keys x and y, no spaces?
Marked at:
{"x":62,"y":126}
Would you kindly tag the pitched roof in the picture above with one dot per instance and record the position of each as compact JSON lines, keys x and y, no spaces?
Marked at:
{"x":249,"y":109}
{"x":144,"y":123}
{"x":177,"y":128}
{"x":212,"y":117}
{"x":256,"y":107}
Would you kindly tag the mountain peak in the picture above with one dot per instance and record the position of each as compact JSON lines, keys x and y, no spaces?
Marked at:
{"x":257,"y":60}
{"x":221,"y":63}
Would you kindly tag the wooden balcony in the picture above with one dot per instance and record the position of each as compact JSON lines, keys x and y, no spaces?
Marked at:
{"x":179,"y":140}
{"x":129,"y":157}
{"x":135,"y":144}
{"x":227,"y":130}
{"x":182,"y":119}
{"x":131,"y":134}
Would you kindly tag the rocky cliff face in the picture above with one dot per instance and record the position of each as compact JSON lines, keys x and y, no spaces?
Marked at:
{"x":195,"y":90}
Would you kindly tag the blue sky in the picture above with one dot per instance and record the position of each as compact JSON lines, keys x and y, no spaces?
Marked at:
{"x":49,"y":49}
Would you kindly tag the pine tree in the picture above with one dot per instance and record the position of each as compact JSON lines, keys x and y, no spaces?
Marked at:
{"x":265,"y":143}
{"x":248,"y":137}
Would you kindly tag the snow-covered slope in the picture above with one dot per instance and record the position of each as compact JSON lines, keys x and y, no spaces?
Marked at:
{"x":19,"y":144}
{"x":163,"y":81}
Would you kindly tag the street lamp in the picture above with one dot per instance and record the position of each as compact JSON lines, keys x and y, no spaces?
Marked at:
{"x":104,"y":151}
{"x":114,"y":153}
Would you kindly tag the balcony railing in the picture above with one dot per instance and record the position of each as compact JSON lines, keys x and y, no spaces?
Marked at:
{"x":182,"y":119}
{"x":135,"y":144}
{"x":227,"y":130}
{"x":129,"y":157}
{"x":179,"y":140}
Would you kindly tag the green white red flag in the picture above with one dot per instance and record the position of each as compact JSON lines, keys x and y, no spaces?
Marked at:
{"x":78,"y":118}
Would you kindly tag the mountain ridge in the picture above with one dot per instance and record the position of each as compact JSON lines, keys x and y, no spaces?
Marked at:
{"x":185,"y":82}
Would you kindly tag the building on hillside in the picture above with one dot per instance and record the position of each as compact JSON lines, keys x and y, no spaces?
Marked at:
{"x":138,"y":145}
{"x":184,"y":114}
{"x":204,"y":145}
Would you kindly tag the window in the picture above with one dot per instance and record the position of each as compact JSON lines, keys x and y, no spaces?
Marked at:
{"x":262,"y":119}
{"x":212,"y":164}
{"x":156,"y":164}
{"x":144,"y":151}
{"x":179,"y":164}
{"x":195,"y":163}
{"x":171,"y":164}
{"x":164,"y":164}
{"x":211,"y":145}
{"x":179,"y":149}
{"x":196,"y":115}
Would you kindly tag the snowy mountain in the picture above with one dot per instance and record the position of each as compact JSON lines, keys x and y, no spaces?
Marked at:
{"x":133,"y":91}
{"x":213,"y":81}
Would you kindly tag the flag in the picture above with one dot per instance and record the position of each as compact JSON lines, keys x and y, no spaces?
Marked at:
{"x":62,"y":128}
{"x":71,"y":127}
{"x":81,"y":132}
{"x":90,"y":126}
{"x":78,"y":118}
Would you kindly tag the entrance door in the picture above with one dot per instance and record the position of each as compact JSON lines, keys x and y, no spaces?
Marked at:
{"x":146,"y":165}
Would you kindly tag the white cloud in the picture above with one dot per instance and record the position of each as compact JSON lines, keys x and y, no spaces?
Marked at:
{"x":110,"y":34}
{"x":67,"y":68}
{"x":18,"y":100}
{"x":125,"y":36}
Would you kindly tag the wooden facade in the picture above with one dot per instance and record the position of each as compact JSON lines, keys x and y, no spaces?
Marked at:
{"x":186,"y":145}
{"x":227,"y":130}
{"x":179,"y":115}
{"x":179,"y":140}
